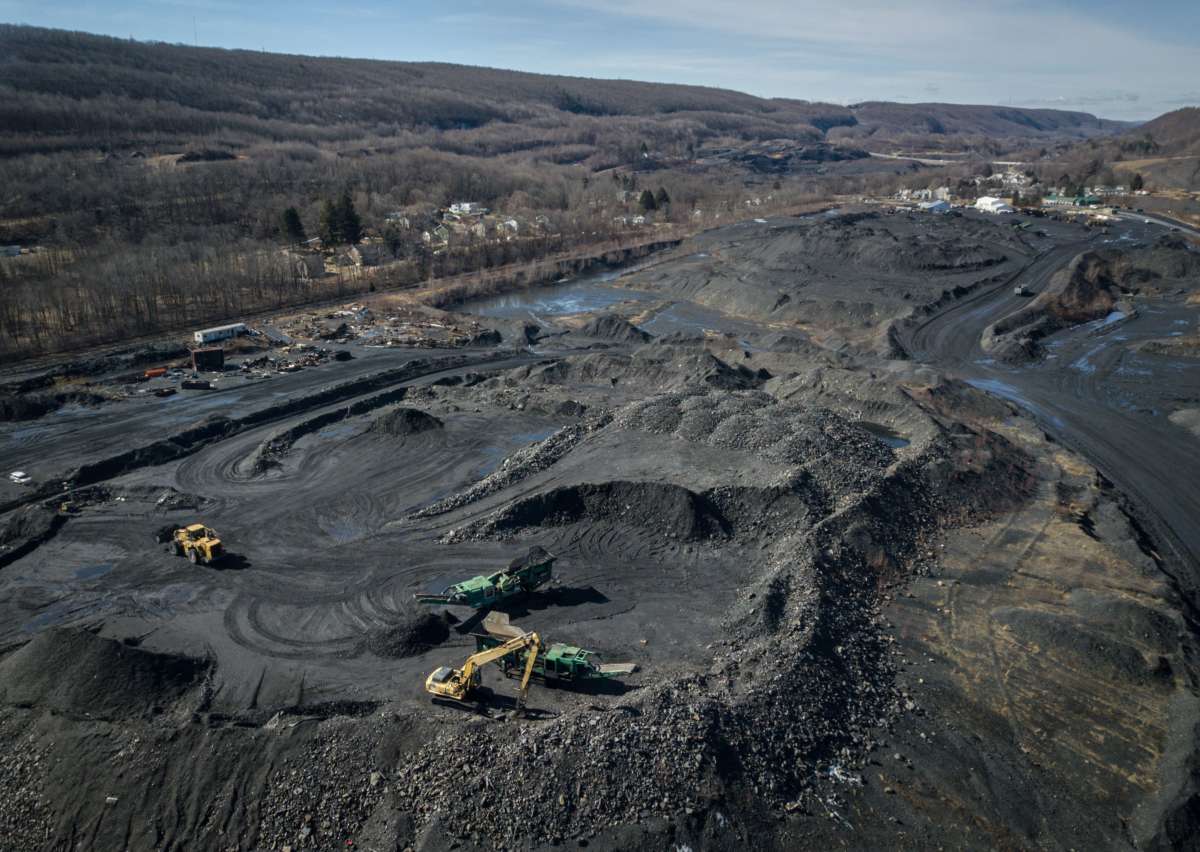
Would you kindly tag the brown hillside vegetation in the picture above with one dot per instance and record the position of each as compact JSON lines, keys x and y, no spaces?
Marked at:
{"x":150,"y":180}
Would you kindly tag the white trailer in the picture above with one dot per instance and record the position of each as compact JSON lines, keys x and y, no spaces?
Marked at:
{"x":220,"y":332}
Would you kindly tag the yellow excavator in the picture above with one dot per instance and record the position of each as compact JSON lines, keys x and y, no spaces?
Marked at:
{"x":458,"y":684}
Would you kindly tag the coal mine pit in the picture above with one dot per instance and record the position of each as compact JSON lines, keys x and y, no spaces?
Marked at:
{"x":799,"y":579}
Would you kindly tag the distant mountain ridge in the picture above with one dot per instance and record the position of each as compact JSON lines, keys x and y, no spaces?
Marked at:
{"x":61,"y":84}
{"x":1175,"y":133}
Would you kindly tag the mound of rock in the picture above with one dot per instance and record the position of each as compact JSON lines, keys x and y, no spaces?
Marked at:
{"x":1093,"y":286}
{"x":34,"y":405}
{"x":25,"y":529}
{"x":78,"y":674}
{"x":650,"y":368}
{"x":612,"y":327}
{"x":841,"y":456}
{"x":416,"y":634}
{"x":402,"y":422}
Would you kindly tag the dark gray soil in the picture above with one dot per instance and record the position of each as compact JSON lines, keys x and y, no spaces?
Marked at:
{"x":874,"y":600}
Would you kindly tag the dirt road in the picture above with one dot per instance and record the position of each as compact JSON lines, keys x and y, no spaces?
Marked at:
{"x":1097,"y":394}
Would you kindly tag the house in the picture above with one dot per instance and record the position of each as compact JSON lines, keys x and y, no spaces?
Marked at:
{"x":365,"y":254}
{"x":988,"y":204}
{"x":639,"y":220}
{"x":942,"y":193}
{"x":467,"y":208}
{"x":939,"y":206}
{"x":439,"y":234}
{"x":512,"y":226}
{"x":305,"y":265}
{"x":9,"y":251}
{"x":398,"y":218}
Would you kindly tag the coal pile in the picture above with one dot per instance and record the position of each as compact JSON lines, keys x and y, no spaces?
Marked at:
{"x":610,"y":327}
{"x":416,"y":634}
{"x":34,"y":405}
{"x":839,"y":453}
{"x":403,"y":422}
{"x":78,"y":674}
{"x":26,"y":529}
{"x":519,"y":465}
{"x":840,"y":276}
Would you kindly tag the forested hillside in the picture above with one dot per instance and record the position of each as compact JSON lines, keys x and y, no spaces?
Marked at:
{"x":124,"y":161}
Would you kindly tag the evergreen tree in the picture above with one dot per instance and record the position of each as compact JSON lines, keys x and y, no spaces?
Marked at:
{"x":351,"y":224}
{"x":393,"y":240}
{"x":293,"y":228}
{"x":646,"y":201}
{"x":1137,"y":182}
{"x":331,"y":226}
{"x":661,"y":199}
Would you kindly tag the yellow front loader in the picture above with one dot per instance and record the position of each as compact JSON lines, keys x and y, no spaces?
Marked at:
{"x":198,"y":543}
{"x":458,"y":684}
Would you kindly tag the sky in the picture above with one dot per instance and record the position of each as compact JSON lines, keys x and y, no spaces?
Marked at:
{"x":1115,"y":58}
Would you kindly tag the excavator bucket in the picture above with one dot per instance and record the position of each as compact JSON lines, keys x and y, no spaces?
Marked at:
{"x":498,"y":624}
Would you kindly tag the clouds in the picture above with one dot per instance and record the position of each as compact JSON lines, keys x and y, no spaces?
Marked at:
{"x":1014,"y":52}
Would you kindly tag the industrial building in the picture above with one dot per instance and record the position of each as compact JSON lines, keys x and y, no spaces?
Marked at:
{"x":989,"y":204}
{"x":220,"y":332}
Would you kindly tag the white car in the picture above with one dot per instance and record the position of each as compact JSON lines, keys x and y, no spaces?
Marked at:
{"x":20,"y":477}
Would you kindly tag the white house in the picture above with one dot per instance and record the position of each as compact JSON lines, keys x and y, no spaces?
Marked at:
{"x":989,"y":204}
{"x":939,"y":206}
{"x":467,"y":208}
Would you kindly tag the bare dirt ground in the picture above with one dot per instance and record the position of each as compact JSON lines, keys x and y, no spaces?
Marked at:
{"x":882,"y":589}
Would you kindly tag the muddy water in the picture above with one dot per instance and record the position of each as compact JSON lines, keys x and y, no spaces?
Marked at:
{"x":596,"y":292}
{"x":592,"y":292}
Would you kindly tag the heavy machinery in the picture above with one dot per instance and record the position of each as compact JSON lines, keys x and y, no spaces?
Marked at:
{"x":458,"y":684}
{"x":557,"y":663}
{"x":198,"y":543}
{"x":523,"y":575}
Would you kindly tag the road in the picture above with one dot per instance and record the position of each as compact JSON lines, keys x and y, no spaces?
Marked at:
{"x":1164,"y":221}
{"x":1098,"y":395}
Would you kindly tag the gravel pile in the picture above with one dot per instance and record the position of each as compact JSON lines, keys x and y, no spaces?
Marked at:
{"x":524,"y":462}
{"x":612,"y":327}
{"x":25,"y":817}
{"x":322,"y":798}
{"x":402,"y":422}
{"x":58,"y":670}
{"x":842,"y":456}
{"x":414,"y":635}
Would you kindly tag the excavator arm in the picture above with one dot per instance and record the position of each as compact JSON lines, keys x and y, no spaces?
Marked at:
{"x":482,"y":658}
{"x":535,"y":648}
